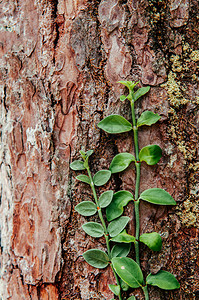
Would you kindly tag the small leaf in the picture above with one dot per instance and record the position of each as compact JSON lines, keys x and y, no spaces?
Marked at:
{"x":125,"y":287}
{"x":77,"y":165}
{"x":151,"y":154}
{"x":93,"y":229}
{"x":122,"y":97}
{"x":129,"y":84}
{"x":164,"y":280}
{"x":123,"y":237}
{"x":115,"y":124}
{"x":86,"y":208}
{"x":115,"y":209}
{"x":89,"y":153}
{"x":140,"y":92}
{"x":157,"y":196}
{"x":101,"y":177}
{"x":116,"y":226}
{"x":96,"y":258}
{"x":153,"y":240}
{"x":131,"y":298}
{"x":105,"y":199}
{"x":120,"y":162}
{"x":120,"y":250}
{"x":83,"y":178}
{"x":115,"y":289}
{"x":147,"y":118}
{"x":128,"y":270}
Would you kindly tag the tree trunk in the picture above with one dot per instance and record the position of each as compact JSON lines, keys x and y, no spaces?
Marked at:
{"x":60,"y":63}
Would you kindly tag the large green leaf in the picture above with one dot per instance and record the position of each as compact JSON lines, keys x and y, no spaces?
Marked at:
{"x":128,"y":270}
{"x":77,"y":165}
{"x":120,"y":162}
{"x":147,"y":118}
{"x":115,"y":124}
{"x":116,"y":226}
{"x":83,"y":178}
{"x":96,"y":258}
{"x":123,"y":237}
{"x":151,"y":154}
{"x":141,"y":92}
{"x":101,"y":177}
{"x":120,"y":250}
{"x":105,"y":199}
{"x":115,"y":209}
{"x":153,"y":240}
{"x":86,"y":208}
{"x":157,"y":196}
{"x":164,"y":280}
{"x":93,"y":229}
{"x":115,"y":289}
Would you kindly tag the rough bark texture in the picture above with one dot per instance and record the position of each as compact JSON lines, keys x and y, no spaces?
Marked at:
{"x":60,"y":61}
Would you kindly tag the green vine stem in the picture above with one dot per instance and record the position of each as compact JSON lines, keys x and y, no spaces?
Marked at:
{"x":146,"y":294}
{"x":104,"y":226}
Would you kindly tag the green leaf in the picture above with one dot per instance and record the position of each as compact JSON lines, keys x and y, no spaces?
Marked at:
{"x":116,"y":226}
{"x":157,"y":196}
{"x":151,"y":154}
{"x":101,"y":177}
{"x":120,"y":162}
{"x":128,"y":270}
{"x":83,"y":178}
{"x":115,"y":209}
{"x":164,"y":280}
{"x":105,"y":199}
{"x":131,"y":298}
{"x":86,"y":208}
{"x":120,"y":250}
{"x":125,"y":287}
{"x":93,"y":229}
{"x":89,"y":153}
{"x":147,"y":118}
{"x":129,"y":84}
{"x":115,"y":124}
{"x":123,"y":237}
{"x":140,"y":92}
{"x":115,"y":289}
{"x":122,"y":97}
{"x":77,"y":165}
{"x":153,"y":240}
{"x":96,"y":258}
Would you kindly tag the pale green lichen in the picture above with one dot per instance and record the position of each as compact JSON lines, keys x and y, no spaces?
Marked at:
{"x":194,"y":55}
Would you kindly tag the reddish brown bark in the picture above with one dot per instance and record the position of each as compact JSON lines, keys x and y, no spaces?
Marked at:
{"x":60,"y":63}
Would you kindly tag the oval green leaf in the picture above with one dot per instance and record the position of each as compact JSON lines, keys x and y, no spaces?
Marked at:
{"x":105,"y":199}
{"x":157,"y":196}
{"x":115,"y":289}
{"x":77,"y":165}
{"x":164,"y":280}
{"x":128,"y":270}
{"x":151,"y":154}
{"x":93,"y":229}
{"x":147,"y":118}
{"x":86,"y":208}
{"x":101,"y":177}
{"x":120,"y":162}
{"x":131,"y":298}
{"x":115,"y":124}
{"x":123,"y":237}
{"x":96,"y":258}
{"x":153,"y":240}
{"x":83,"y":178}
{"x":116,"y":226}
{"x":116,"y":207}
{"x":141,"y":92}
{"x":120,"y":250}
{"x":122,"y":97}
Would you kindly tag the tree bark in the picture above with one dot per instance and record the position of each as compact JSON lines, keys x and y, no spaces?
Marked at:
{"x":60,"y":63}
